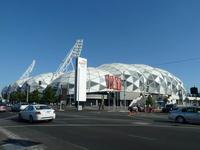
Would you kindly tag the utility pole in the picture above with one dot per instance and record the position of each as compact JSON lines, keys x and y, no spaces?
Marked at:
{"x":124,"y":81}
{"x":69,"y":95}
{"x":27,"y":92}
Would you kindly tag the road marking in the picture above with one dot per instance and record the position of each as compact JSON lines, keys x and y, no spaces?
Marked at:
{"x":99,"y":125}
{"x":10,"y":117}
{"x":9,"y":134}
{"x":141,"y":123}
{"x":78,"y":146}
{"x":70,"y":125}
{"x":142,"y":137}
{"x":101,"y":119}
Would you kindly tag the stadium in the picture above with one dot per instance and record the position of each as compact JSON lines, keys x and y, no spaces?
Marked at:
{"x":115,"y":84}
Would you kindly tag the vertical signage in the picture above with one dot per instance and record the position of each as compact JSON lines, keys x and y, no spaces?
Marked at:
{"x":81,"y":79}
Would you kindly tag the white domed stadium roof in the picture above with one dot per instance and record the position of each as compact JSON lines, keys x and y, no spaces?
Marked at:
{"x":137,"y":77}
{"x":140,"y":78}
{"x":16,"y":85}
{"x":39,"y":82}
{"x":95,"y":80}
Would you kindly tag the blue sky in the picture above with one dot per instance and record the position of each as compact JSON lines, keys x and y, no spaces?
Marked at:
{"x":127,"y":31}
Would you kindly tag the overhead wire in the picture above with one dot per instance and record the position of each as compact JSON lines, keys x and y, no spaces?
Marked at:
{"x":179,"y":61}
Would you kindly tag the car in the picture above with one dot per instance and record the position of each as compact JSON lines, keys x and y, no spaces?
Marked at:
{"x":37,"y":112}
{"x":169,"y":107}
{"x":23,"y":106}
{"x":190,"y":114}
{"x":3,"y":107}
{"x":19,"y":106}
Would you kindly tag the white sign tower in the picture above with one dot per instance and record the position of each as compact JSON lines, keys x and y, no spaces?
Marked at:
{"x":80,"y":81}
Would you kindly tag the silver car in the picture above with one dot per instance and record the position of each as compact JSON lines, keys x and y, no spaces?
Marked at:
{"x":186,"y":114}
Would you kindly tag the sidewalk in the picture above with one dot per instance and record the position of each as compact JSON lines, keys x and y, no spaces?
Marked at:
{"x":94,"y":108}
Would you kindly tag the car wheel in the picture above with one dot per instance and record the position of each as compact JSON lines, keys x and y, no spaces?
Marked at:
{"x":180,"y":119}
{"x":19,"y":117}
{"x":30,"y":119}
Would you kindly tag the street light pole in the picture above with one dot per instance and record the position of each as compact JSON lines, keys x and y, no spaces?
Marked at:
{"x":124,"y":80}
{"x":69,"y":96}
{"x":27,"y":92}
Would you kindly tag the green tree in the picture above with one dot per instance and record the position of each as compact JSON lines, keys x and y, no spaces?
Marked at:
{"x":34,"y":96}
{"x":149,"y":100}
{"x":49,"y":95}
{"x":17,"y":96}
{"x":165,"y":100}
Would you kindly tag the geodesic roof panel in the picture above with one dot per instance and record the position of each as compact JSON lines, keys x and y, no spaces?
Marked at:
{"x":153,"y":80}
{"x":95,"y":80}
{"x":138,"y":78}
{"x":38,"y":82}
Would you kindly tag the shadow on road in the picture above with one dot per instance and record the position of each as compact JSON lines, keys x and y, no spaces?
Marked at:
{"x":16,"y":120}
{"x":173,"y":123}
{"x":20,"y":142}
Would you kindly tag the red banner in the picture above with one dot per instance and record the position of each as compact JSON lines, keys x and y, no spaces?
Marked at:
{"x":113,"y":82}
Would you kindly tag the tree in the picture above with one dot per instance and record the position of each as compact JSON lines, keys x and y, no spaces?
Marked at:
{"x":165,"y":100}
{"x":17,"y":96}
{"x":34,"y":96}
{"x":49,"y":95}
{"x":149,"y":100}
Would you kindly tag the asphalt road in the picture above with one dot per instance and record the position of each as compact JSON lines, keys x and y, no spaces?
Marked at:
{"x":93,"y":130}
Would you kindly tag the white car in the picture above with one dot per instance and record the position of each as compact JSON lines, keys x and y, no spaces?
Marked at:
{"x":22,"y":106}
{"x":37,"y":112}
{"x":19,"y":106}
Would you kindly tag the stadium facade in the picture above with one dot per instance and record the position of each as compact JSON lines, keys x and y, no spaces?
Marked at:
{"x":134,"y":79}
{"x":115,"y":81}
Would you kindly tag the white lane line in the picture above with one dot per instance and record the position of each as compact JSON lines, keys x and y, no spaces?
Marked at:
{"x":9,"y":134}
{"x":141,"y":123}
{"x":99,"y":125}
{"x":142,"y":137}
{"x":71,"y":125}
{"x":101,"y":119}
{"x":78,"y":146}
{"x":8,"y":117}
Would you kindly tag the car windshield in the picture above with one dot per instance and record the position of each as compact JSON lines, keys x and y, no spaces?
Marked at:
{"x":40,"y":107}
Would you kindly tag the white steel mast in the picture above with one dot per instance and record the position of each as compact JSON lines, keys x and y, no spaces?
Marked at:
{"x":74,"y":53}
{"x":27,"y":73}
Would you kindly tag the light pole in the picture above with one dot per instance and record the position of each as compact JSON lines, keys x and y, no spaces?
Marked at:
{"x":8,"y":91}
{"x":180,"y":94}
{"x":124,"y":81}
{"x":69,"y":95}
{"x":61,"y":93}
{"x":27,"y":92}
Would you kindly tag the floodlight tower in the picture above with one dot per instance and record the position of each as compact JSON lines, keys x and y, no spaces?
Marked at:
{"x":25,"y":76}
{"x":28,"y":71}
{"x":73,"y":53}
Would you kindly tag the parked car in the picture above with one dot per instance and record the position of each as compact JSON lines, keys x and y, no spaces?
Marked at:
{"x":3,"y":107}
{"x":19,"y":106}
{"x":186,"y":114}
{"x":37,"y":112}
{"x":169,"y":107}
